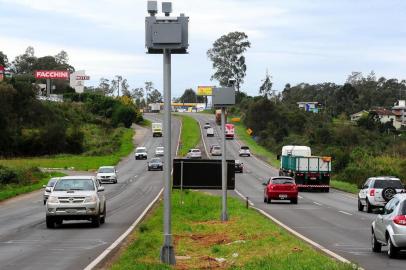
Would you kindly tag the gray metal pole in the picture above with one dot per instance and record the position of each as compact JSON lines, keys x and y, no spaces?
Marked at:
{"x":224,"y":215}
{"x":167,"y":251}
{"x":48,"y":86}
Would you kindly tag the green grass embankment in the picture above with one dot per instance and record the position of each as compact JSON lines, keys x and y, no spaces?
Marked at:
{"x":12,"y":190}
{"x":247,"y":241}
{"x":78,"y":162}
{"x":270,"y":157}
{"x":190,"y":134}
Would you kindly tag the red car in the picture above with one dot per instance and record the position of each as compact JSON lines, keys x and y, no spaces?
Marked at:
{"x":280,"y":188}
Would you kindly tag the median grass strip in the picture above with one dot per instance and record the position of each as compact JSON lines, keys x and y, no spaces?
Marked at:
{"x":344,"y":186}
{"x":247,"y":241}
{"x":190,"y":134}
{"x":255,"y":148}
{"x":12,"y":190}
{"x":78,"y":162}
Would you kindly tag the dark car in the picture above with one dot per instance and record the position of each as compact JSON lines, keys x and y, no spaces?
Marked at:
{"x":280,"y":188}
{"x":155,"y":164}
{"x":238,"y":167}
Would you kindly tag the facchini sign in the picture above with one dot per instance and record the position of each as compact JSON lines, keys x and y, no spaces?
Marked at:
{"x":52,"y":74}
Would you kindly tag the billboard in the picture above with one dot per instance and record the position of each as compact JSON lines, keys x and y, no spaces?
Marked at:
{"x":204,"y":90}
{"x":201,"y":174}
{"x":52,"y":74}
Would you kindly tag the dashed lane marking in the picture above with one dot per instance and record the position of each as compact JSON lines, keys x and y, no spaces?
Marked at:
{"x":345,"y":213}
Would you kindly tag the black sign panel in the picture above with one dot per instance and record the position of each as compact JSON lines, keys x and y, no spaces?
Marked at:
{"x":201,"y":174}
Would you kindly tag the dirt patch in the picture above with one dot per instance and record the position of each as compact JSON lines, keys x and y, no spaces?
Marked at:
{"x":203,"y":262}
{"x":204,"y":240}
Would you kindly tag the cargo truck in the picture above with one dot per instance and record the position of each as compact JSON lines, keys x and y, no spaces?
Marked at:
{"x":310,"y":172}
{"x":156,"y":129}
{"x":218,"y":117}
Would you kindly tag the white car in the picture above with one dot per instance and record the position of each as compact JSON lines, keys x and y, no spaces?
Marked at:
{"x":377,"y":191}
{"x":194,"y":153}
{"x":159,"y":151}
{"x":244,"y":151}
{"x":216,"y":150}
{"x":107,"y":174}
{"x":141,"y":153}
{"x":49,"y":187}
{"x":210,"y":132}
{"x":206,"y":126}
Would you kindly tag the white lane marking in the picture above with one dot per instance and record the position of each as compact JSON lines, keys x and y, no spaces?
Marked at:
{"x":106,"y":252}
{"x":304,"y":238}
{"x":345,"y":213}
{"x":242,"y":196}
{"x":300,"y":197}
{"x":319,"y":204}
{"x":96,"y":261}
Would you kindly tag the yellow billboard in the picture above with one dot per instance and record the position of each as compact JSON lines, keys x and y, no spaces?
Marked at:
{"x":204,"y":90}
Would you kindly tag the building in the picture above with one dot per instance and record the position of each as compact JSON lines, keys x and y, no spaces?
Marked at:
{"x":77,"y":80}
{"x":385,"y":115}
{"x":356,"y":116}
{"x":399,"y":109}
{"x":311,"y":106}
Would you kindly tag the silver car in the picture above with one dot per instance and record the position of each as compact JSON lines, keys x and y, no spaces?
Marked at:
{"x":389,"y":228}
{"x":194,"y":154}
{"x":76,"y":198}
{"x":48,"y":188}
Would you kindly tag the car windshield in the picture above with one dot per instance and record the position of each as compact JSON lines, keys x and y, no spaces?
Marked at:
{"x":160,"y":149}
{"x":106,"y":170}
{"x":52,"y":182}
{"x":155,"y":160}
{"x":282,"y":181}
{"x":196,"y":151}
{"x":140,"y":150}
{"x":74,"y":184}
{"x":388,"y":183}
{"x":216,"y":148}
{"x":244,"y":147}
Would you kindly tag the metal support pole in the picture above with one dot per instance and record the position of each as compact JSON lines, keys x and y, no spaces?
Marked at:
{"x":167,"y":251}
{"x":181,"y":182}
{"x":48,"y":86}
{"x":224,"y":215}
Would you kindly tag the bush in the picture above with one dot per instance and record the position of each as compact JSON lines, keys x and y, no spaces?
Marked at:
{"x":125,"y":115}
{"x":7,"y":176}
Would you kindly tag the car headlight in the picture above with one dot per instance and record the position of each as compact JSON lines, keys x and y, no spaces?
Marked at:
{"x":53,"y":199}
{"x":91,"y":199}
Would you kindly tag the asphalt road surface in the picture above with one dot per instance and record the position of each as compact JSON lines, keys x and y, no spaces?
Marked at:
{"x":26,"y":243}
{"x":330,"y":219}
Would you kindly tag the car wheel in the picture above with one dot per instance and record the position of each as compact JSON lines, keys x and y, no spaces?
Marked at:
{"x":45,"y":202}
{"x":58,"y":222}
{"x":376,"y":246}
{"x":50,"y":222}
{"x":293,"y":201}
{"x":103,"y":218}
{"x":327,"y":190}
{"x":265,"y":200}
{"x":368,"y":206}
{"x":360,"y":206}
{"x":96,"y":221}
{"x":115,"y":182}
{"x":392,"y":250}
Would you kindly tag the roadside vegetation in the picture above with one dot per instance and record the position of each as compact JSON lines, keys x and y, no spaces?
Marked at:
{"x":247,"y":241}
{"x":190,"y":134}
{"x":14,"y":182}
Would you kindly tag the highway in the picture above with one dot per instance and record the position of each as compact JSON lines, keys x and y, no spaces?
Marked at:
{"x":329,"y":219}
{"x":26,"y":243}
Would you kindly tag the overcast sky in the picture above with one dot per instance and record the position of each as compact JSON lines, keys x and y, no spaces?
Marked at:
{"x":296,"y":40}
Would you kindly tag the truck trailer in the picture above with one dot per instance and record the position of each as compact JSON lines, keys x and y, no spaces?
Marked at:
{"x":310,"y":172}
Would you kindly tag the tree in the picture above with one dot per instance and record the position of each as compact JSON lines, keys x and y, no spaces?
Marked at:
{"x":3,"y":60}
{"x":23,"y":63}
{"x":62,"y":58}
{"x":154,"y":97}
{"x":189,"y":96}
{"x":125,"y":87}
{"x":228,"y":59}
{"x":104,"y":86}
{"x":266,"y":87}
{"x":115,"y":84}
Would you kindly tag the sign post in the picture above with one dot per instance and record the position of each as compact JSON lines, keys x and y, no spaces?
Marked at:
{"x":50,"y":75}
{"x":166,"y":35}
{"x":222,"y":98}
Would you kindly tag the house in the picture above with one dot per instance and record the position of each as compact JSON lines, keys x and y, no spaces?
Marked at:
{"x":312,"y":106}
{"x":399,"y":109}
{"x":386,"y":115}
{"x":356,"y":116}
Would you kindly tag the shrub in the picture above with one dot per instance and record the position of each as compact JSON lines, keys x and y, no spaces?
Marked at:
{"x":125,"y":115}
{"x":7,"y":176}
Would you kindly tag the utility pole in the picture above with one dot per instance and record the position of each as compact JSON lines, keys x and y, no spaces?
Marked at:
{"x":224,"y":214}
{"x":166,"y":36}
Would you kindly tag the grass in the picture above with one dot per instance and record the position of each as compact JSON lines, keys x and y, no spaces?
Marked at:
{"x":190,"y":136}
{"x":247,"y":241}
{"x":13,"y":190}
{"x":255,"y":148}
{"x":78,"y":162}
{"x":344,"y":186}
{"x":145,"y":123}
